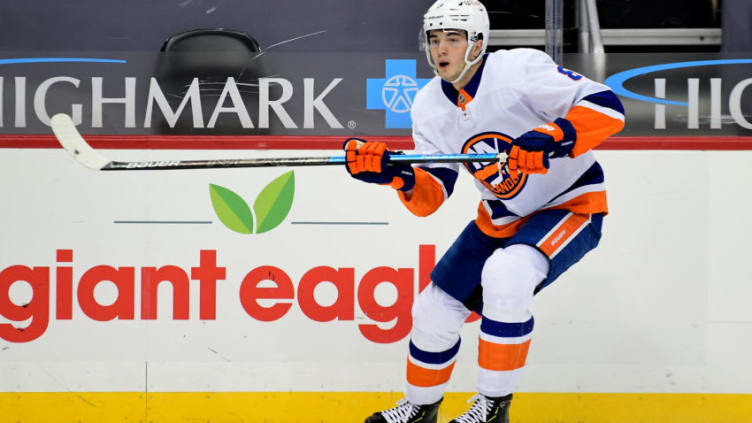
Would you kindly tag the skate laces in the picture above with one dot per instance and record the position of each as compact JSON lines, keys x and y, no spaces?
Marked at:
{"x":478,"y":413}
{"x":401,"y":413}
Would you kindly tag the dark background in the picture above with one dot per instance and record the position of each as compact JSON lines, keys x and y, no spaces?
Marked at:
{"x":351,"y":26}
{"x":143,"y":25}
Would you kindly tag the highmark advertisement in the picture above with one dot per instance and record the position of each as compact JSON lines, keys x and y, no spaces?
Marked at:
{"x":349,"y":93}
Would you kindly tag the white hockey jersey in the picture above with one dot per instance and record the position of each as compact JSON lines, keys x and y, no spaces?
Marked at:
{"x":513,"y":92}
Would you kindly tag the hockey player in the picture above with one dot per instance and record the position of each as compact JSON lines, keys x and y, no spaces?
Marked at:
{"x":540,"y":211}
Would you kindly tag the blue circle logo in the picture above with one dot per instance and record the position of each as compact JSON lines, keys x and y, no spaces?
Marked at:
{"x":398,"y":93}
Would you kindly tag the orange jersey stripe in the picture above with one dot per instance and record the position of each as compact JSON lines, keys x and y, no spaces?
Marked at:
{"x":502,"y":356}
{"x":587,"y":203}
{"x":428,"y":194}
{"x":592,"y":128}
{"x":420,"y":376}
{"x":562,"y":233}
{"x":485,"y":224}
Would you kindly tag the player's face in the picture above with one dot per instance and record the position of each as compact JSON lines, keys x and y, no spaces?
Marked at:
{"x":448,"y":52}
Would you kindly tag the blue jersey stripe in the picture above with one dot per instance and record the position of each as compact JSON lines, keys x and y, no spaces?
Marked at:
{"x":606,"y":99}
{"x":506,"y":330}
{"x":434,"y":357}
{"x":594,"y":175}
{"x":498,"y":209}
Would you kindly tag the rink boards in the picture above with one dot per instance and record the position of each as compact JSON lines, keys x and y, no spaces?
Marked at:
{"x":308,"y":320}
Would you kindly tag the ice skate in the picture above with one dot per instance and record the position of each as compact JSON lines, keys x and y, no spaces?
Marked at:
{"x":407,"y":412}
{"x":486,"y":410}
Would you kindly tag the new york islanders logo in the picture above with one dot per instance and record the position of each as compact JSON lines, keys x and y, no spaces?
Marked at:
{"x":494,"y":176}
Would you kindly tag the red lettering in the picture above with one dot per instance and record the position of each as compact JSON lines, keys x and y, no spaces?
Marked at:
{"x":151,"y":277}
{"x":208,"y":273}
{"x":250,"y":293}
{"x":64,"y":286}
{"x":402,"y":279}
{"x":37,"y":309}
{"x":122,"y":308}
{"x":262,"y":283}
{"x":343,"y":308}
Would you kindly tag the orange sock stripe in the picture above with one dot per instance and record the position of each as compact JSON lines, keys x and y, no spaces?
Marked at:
{"x":420,"y":376}
{"x":502,"y":356}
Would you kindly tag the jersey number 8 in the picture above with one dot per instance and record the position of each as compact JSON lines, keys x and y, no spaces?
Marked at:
{"x":571,"y":74}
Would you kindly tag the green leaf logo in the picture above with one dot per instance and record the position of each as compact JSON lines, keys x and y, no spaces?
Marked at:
{"x":270,"y":208}
{"x":274,"y":202}
{"x":231,"y":209}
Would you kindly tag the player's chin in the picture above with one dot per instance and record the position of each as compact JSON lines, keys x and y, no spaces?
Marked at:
{"x":445,"y":72}
{"x":449,"y":76}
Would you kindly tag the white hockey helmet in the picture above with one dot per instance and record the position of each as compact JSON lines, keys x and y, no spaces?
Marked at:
{"x":468,"y":15}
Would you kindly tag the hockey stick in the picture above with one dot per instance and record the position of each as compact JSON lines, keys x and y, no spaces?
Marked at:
{"x":72,"y":141}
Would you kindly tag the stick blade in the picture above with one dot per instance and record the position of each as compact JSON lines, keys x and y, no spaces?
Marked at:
{"x":68,"y":136}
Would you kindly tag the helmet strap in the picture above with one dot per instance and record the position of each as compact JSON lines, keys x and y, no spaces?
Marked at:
{"x":468,"y":64}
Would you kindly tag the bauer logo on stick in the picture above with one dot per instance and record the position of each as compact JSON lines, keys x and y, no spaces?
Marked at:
{"x":154,"y":163}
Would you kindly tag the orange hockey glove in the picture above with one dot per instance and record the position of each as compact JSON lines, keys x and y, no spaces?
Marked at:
{"x":369,"y":162}
{"x":531,"y":151}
